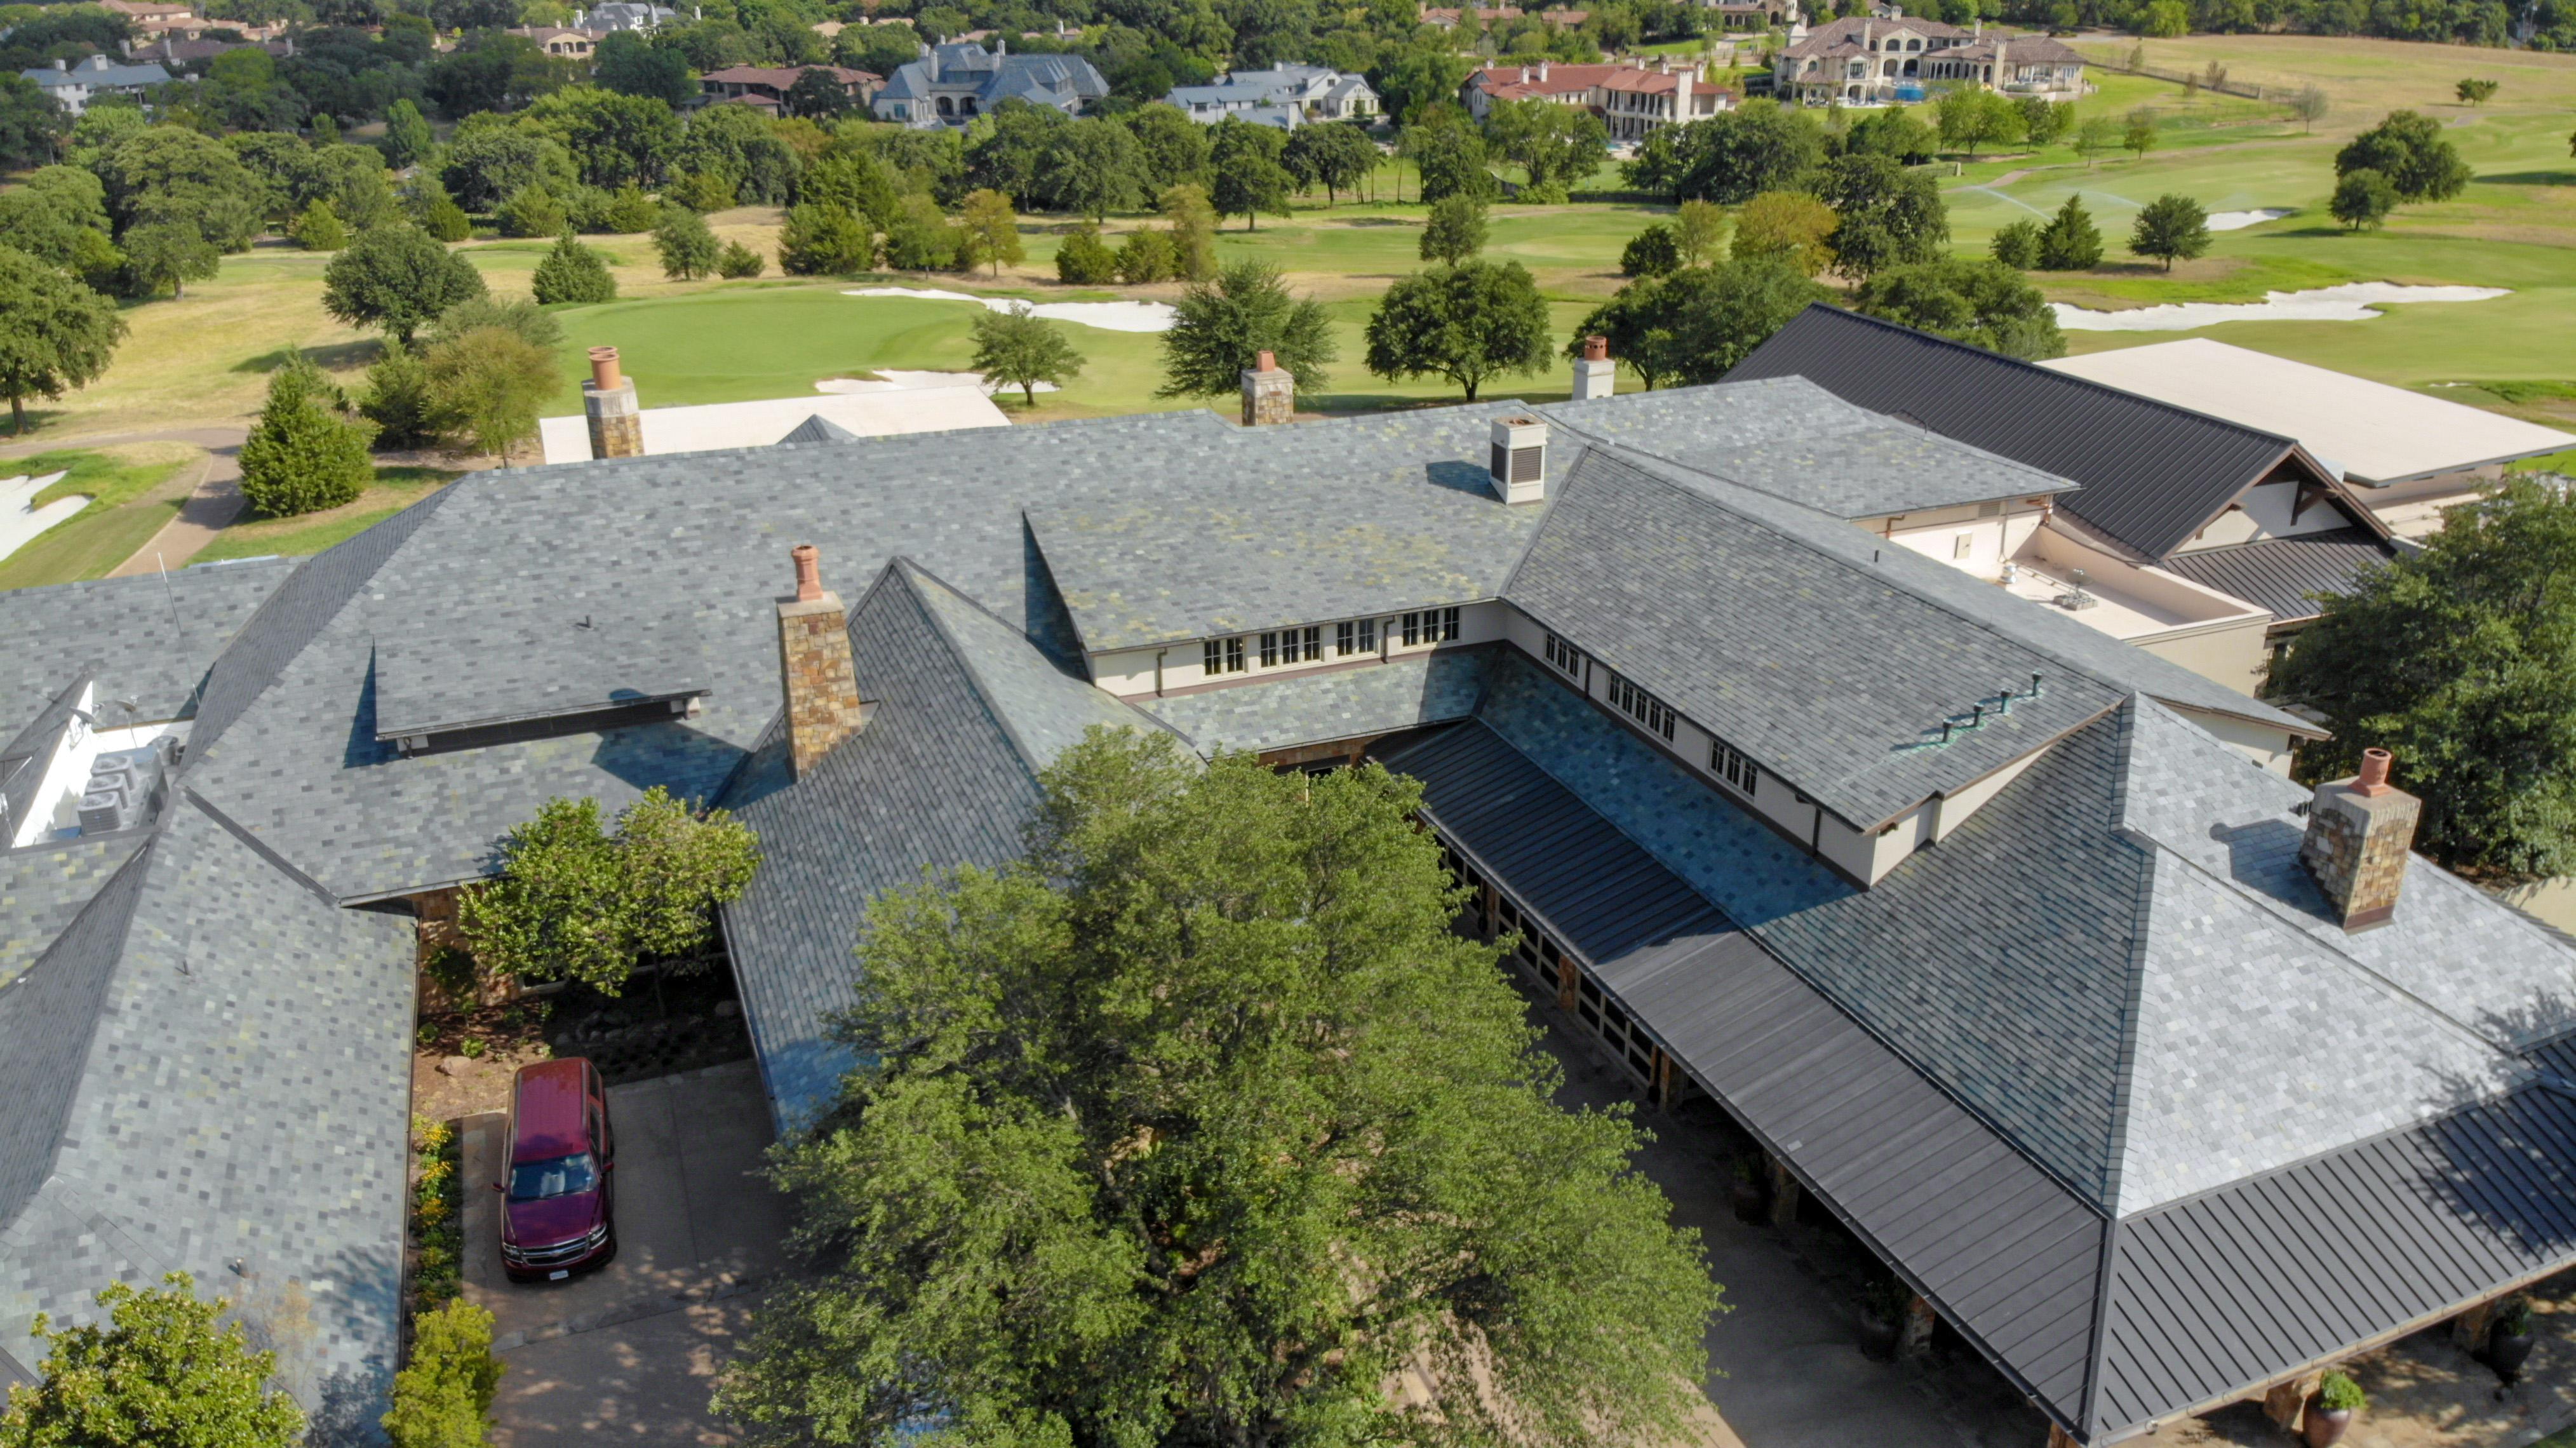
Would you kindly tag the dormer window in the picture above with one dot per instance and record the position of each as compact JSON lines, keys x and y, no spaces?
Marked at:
{"x":1734,"y":768}
{"x":1292,"y":645}
{"x":1355,"y":636}
{"x":1224,"y":656}
{"x":1430,"y":626}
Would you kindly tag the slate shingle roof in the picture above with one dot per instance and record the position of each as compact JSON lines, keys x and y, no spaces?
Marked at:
{"x":121,"y":630}
{"x":1402,"y":693}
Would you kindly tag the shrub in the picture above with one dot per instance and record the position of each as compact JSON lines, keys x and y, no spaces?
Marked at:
{"x":630,"y":211}
{"x":572,"y":272}
{"x":443,"y":1398}
{"x":446,"y":220}
{"x":702,"y":192}
{"x":2070,"y":241}
{"x":2340,"y":1394}
{"x":821,"y":239}
{"x":397,"y":401}
{"x":319,"y":228}
{"x":2363,"y":198}
{"x":1654,"y":252}
{"x":2016,"y":245}
{"x":687,"y":248}
{"x":738,"y":261}
{"x":489,"y":383}
{"x":474,"y":1048}
{"x":1147,"y":256}
{"x":1085,"y":260}
{"x":534,"y":211}
{"x":300,"y":457}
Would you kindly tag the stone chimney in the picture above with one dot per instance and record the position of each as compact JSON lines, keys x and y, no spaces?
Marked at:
{"x":2359,"y":832}
{"x":616,"y":426}
{"x":1542,"y":72}
{"x":1269,"y":393}
{"x":823,"y":706}
{"x":1519,"y":466}
{"x":1594,"y":373}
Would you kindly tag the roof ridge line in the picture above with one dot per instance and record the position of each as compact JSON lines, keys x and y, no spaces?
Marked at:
{"x":2142,"y":907}
{"x":913,"y":576}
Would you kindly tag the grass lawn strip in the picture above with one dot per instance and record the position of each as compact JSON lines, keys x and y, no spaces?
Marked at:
{"x":134,"y":489}
{"x":394,"y":489}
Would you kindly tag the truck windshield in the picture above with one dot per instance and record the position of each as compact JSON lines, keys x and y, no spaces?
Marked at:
{"x":560,"y":1176}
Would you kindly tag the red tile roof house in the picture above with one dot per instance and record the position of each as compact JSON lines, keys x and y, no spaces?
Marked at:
{"x":766,"y":86}
{"x":1634,"y":101}
{"x":1450,"y":19}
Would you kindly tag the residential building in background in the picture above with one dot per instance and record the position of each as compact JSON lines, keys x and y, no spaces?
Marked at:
{"x":74,"y":86}
{"x":1633,"y":100}
{"x":559,"y":41}
{"x":952,"y":84}
{"x":1286,"y":96}
{"x":1873,"y":60}
{"x":1451,"y":18}
{"x":765,"y":87}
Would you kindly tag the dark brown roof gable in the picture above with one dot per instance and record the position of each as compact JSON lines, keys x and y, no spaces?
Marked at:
{"x":2154,"y":474}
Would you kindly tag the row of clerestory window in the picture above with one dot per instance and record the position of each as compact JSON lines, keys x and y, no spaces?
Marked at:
{"x":1352,"y":638}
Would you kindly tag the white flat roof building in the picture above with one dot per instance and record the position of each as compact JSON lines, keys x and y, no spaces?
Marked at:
{"x":2377,"y":434}
{"x":758,"y":424}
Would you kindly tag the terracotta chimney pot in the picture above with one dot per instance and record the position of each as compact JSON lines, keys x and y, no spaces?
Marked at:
{"x":604,"y":373}
{"x":809,"y":572}
{"x":1267,"y":362}
{"x":1596,"y":348}
{"x":2373,"y":779}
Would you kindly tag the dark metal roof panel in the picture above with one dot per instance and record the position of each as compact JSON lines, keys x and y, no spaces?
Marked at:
{"x":2224,"y":1291}
{"x":2152,"y":473}
{"x":2011,"y":1257}
{"x":2281,"y":573}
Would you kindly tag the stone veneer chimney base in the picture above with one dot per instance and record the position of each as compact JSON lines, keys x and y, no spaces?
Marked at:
{"x":814,"y":665}
{"x":2360,"y":831}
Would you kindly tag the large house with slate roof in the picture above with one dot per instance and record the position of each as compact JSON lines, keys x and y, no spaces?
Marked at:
{"x":950,"y":85}
{"x":1994,"y":931}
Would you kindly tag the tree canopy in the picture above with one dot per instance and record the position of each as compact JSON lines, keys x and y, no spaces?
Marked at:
{"x":1220,"y":328}
{"x":156,"y":1374}
{"x":573,"y":902}
{"x":1454,"y":231}
{"x":1244,"y":160}
{"x":1886,"y":215}
{"x":1730,"y":157}
{"x":2070,"y":241}
{"x":2461,"y":660}
{"x":1020,"y":349}
{"x":2171,"y":228}
{"x":2410,"y":150}
{"x":302,"y":456}
{"x":1195,"y":1128}
{"x":1984,"y":303}
{"x":396,"y":278}
{"x":2362,"y":199}
{"x":55,"y":333}
{"x":1695,"y":324}
{"x":1468,"y":323}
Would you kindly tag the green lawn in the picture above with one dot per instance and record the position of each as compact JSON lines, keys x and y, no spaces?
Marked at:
{"x":394,"y":489}
{"x":129,"y":502}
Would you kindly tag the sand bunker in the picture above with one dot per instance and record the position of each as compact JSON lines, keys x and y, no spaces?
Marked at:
{"x":1108,"y":316}
{"x":2351,"y":302}
{"x":2239,"y":220}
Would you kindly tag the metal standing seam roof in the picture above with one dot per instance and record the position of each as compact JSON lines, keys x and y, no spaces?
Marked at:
{"x":2153,"y":474}
{"x":2009,"y":1255}
{"x":2284,"y":574}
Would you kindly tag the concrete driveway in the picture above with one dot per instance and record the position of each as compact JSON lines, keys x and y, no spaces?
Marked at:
{"x":630,"y":1349}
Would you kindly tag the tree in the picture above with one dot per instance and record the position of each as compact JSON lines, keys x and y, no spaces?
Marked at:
{"x":443,"y":1397}
{"x":614,"y":140}
{"x":1091,"y":168}
{"x":1449,"y":158}
{"x":1789,"y":225}
{"x":167,"y":254}
{"x":1172,"y":147}
{"x":2094,"y":135}
{"x":573,"y":902}
{"x":1730,"y":157}
{"x":1697,"y":225}
{"x":1335,"y":155}
{"x":1694,"y":325}
{"x":1019,"y":349}
{"x":408,"y":139}
{"x":1085,"y":260}
{"x":2169,"y":228}
{"x":687,"y":247}
{"x":1222,"y":1125}
{"x":31,"y":125}
{"x":1454,"y":231}
{"x":2362,"y":199}
{"x":2460,"y":659}
{"x":1244,"y":160}
{"x":534,"y":211}
{"x":319,"y":228}
{"x":55,"y":333}
{"x":396,"y":278}
{"x":992,"y":227}
{"x":2139,"y":136}
{"x":2410,"y":150}
{"x":1983,"y":303}
{"x":2478,"y":92}
{"x":1467,"y":323}
{"x":1419,"y":80}
{"x":158,"y":1362}
{"x":737,"y":261}
{"x":300,"y":456}
{"x":2044,"y":122}
{"x":487,"y":383}
{"x":1892,"y":132}
{"x":1554,"y":145}
{"x":397,"y":399}
{"x":1887,"y":215}
{"x":1220,"y":328}
{"x":488,"y":160}
{"x":1145,"y":257}
{"x":1970,"y":116}
{"x":823,"y":240}
{"x":2070,"y":241}
{"x":572,"y":272}
{"x":2016,"y":245}
{"x":817,"y":95}
{"x":1651,"y":252}
{"x":1192,"y":219}
{"x":630,"y":211}
{"x":2310,"y":105}
{"x":921,"y":238}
